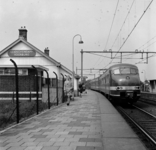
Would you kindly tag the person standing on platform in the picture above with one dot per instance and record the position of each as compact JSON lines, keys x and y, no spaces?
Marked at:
{"x":84,"y":88}
{"x":80,"y":89}
{"x":68,"y":89}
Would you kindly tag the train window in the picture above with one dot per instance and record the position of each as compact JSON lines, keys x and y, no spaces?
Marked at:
{"x":133,"y":71}
{"x":125,"y":70}
{"x":116,"y":71}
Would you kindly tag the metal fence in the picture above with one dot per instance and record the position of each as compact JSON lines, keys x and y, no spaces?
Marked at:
{"x":32,"y":99}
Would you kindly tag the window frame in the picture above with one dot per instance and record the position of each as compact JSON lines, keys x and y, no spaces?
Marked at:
{"x":130,"y":69}
{"x":11,"y":71}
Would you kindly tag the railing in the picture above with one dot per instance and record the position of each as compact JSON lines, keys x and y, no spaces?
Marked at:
{"x":27,"y":104}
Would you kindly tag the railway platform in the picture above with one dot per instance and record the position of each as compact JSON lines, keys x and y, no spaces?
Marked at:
{"x":88,"y":123}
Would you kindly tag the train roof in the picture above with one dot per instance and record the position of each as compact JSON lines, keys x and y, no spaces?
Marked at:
{"x":123,"y":64}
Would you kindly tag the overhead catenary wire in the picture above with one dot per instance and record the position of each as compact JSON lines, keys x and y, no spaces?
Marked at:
{"x":130,"y":34}
{"x":146,"y":42}
{"x":123,"y":23}
{"x":142,"y":51}
{"x":148,"y":56}
{"x":100,"y":55}
{"x":145,"y":58}
{"x":131,"y":31}
{"x":110,"y":27}
{"x":134,"y":28}
{"x":110,"y":57}
{"x":150,"y":44}
{"x":116,"y":57}
{"x":139,"y":48}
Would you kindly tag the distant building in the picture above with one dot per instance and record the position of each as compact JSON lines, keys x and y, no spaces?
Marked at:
{"x":150,"y":73}
{"x":25,"y":55}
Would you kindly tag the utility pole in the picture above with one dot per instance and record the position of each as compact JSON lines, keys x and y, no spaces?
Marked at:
{"x":81,"y":64}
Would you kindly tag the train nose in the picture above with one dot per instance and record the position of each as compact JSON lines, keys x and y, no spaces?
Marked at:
{"x":128,"y":80}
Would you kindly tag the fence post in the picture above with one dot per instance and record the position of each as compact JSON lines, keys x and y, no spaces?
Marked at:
{"x":62,"y":88}
{"x":17,"y":90}
{"x":37,"y":105}
{"x":56,"y":87}
{"x":13,"y":97}
{"x":48,"y":88}
{"x":30,"y":96}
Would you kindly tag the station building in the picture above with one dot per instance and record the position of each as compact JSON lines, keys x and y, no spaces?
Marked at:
{"x":150,"y":74}
{"x":25,"y":55}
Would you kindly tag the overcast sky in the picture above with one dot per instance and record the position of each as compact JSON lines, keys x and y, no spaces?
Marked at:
{"x":54,"y":23}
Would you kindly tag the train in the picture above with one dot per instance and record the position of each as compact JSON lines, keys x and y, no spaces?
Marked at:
{"x":120,"y":83}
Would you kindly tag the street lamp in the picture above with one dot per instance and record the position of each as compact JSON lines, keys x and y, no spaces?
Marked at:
{"x":80,"y":42}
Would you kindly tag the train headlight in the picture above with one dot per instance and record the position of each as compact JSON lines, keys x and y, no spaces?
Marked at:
{"x":137,"y":87}
{"x":118,"y":88}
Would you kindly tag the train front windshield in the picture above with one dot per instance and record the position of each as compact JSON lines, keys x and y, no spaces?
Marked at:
{"x":125,"y":70}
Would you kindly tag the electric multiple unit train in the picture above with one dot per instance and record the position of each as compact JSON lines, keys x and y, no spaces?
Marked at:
{"x":121,"y":82}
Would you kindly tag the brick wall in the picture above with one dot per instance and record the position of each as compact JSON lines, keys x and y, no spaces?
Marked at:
{"x":26,"y":84}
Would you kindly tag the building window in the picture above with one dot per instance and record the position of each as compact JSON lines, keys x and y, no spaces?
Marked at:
{"x":24,"y":71}
{"x":12,"y":71}
{"x":39,"y":73}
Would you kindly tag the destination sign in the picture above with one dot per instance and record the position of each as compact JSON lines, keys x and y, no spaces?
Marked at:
{"x":21,"y":53}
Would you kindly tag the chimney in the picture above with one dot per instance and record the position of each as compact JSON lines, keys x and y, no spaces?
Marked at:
{"x":23,"y":33}
{"x":46,"y":51}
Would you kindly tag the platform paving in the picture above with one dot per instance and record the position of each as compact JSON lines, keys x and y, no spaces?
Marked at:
{"x":117,"y":134}
{"x":74,"y":127}
{"x":88,"y":123}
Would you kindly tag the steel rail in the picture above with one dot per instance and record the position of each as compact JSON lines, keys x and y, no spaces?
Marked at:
{"x":139,"y":127}
{"x":145,"y":112}
{"x":147,"y":101}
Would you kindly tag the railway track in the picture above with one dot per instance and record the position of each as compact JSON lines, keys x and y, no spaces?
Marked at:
{"x":143,"y":120}
{"x":153,"y":102}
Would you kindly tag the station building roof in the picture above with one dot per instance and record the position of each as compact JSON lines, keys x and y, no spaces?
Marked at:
{"x":23,"y":38}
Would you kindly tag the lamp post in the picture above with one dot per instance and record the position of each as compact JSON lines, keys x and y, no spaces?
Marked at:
{"x":73,"y":74}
